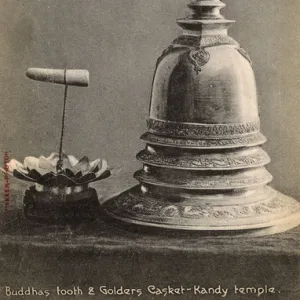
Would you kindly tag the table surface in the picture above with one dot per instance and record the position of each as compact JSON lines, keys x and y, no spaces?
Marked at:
{"x":105,"y":234}
{"x":101,"y":252}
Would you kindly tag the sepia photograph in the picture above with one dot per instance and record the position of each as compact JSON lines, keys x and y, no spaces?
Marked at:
{"x":150,"y":149}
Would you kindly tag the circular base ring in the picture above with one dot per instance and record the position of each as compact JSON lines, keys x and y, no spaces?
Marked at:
{"x":270,"y":216}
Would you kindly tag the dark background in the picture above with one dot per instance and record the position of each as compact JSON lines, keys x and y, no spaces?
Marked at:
{"x":118,"y":42}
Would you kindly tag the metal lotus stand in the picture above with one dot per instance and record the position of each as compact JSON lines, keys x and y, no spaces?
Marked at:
{"x":203,"y":165}
{"x":61,"y":191}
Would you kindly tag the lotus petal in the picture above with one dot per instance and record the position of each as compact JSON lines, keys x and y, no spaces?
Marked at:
{"x":53,"y":158}
{"x":46,"y":164}
{"x":6,"y":172}
{"x":86,"y":178}
{"x":104,"y":175}
{"x":78,"y":175}
{"x":22,"y":176}
{"x":34,"y":174}
{"x":31,"y":162}
{"x":14,"y":164}
{"x":22,"y":170}
{"x":68,"y":173}
{"x":92,"y":166}
{"x":103,"y":167}
{"x":96,"y":169}
{"x":82,"y":165}
{"x":39,"y":170}
{"x":73,"y":160}
{"x":42,"y":170}
{"x":66,"y":163}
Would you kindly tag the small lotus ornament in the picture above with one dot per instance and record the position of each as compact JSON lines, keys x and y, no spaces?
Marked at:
{"x":61,"y":189}
{"x":65,"y":175}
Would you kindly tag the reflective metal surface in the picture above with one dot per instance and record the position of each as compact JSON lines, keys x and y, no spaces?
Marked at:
{"x":204,"y":168}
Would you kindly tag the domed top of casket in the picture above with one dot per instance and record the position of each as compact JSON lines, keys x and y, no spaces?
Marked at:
{"x":204,"y":76}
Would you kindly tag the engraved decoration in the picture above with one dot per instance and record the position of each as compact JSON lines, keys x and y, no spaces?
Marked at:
{"x":192,"y":130}
{"x":198,"y":58}
{"x":253,"y":140}
{"x":217,"y":40}
{"x":199,"y":162}
{"x":205,"y":182}
{"x":156,"y":209}
{"x":205,"y":173}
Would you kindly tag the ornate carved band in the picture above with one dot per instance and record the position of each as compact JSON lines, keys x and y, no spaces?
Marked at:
{"x":198,"y":56}
{"x":205,"y":182}
{"x":133,"y":204}
{"x":247,"y":141}
{"x":217,"y":162}
{"x":204,"y":41}
{"x":217,"y":40}
{"x":202,"y":131}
